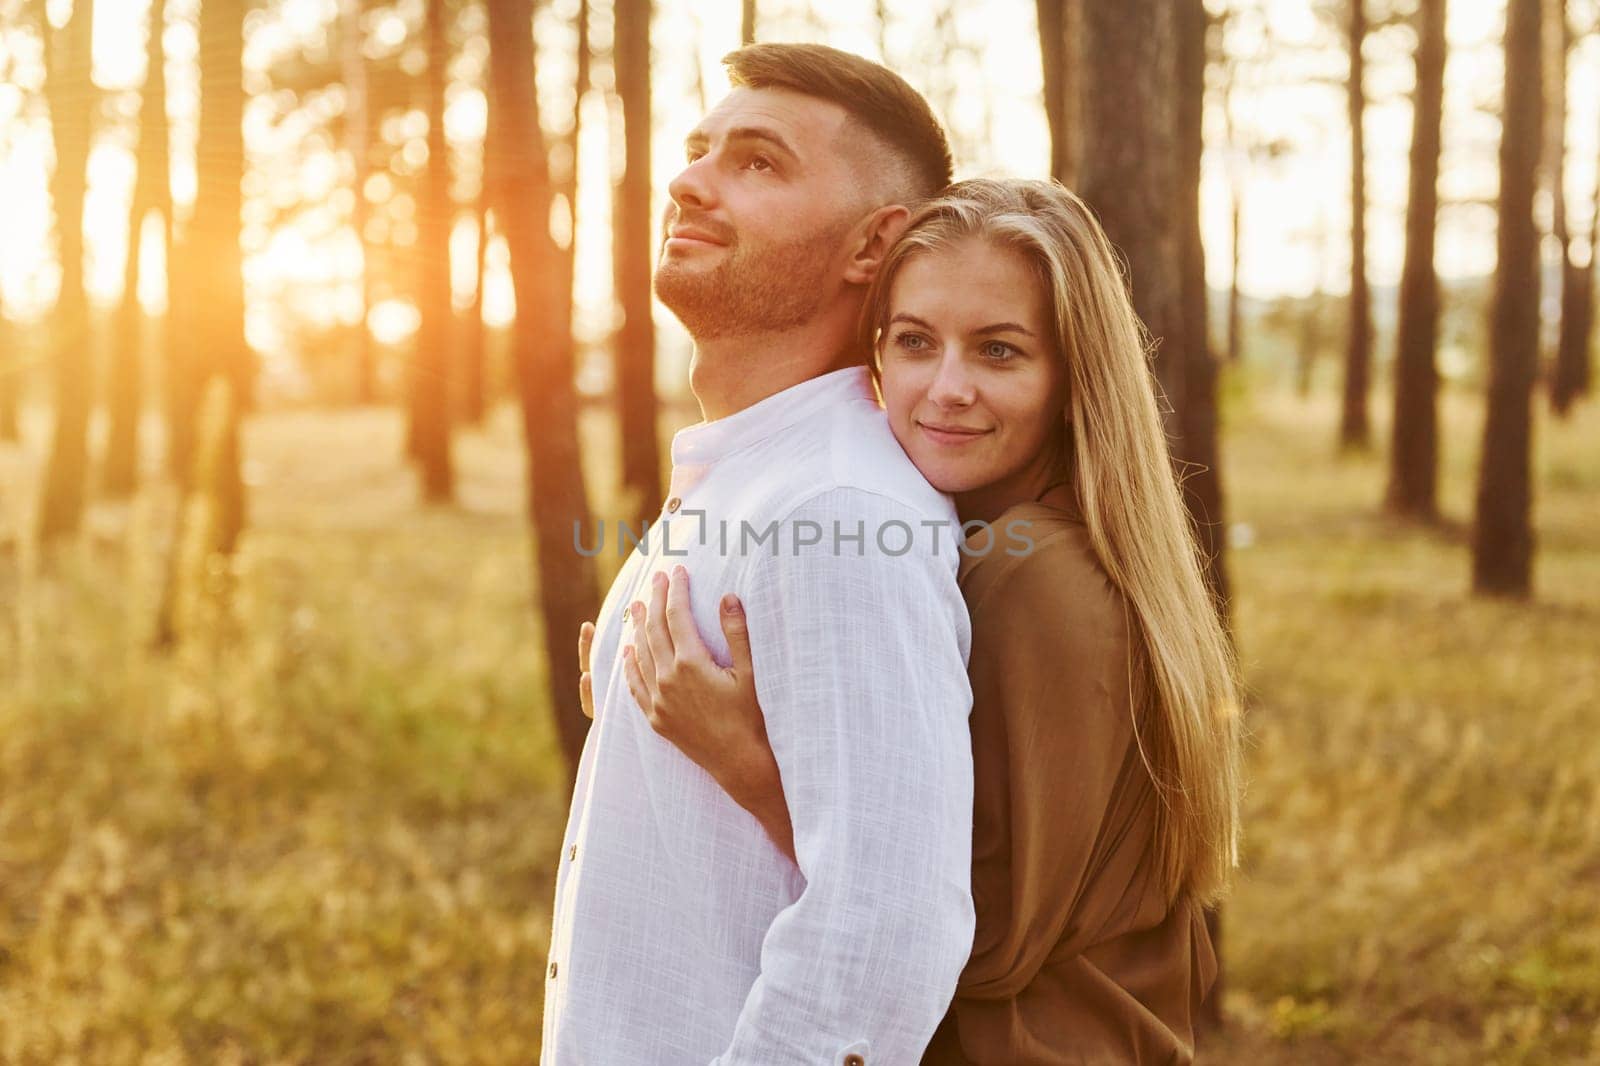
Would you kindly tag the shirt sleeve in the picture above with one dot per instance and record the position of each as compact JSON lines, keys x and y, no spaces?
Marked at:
{"x":860,"y":666}
{"x":1053,"y":685}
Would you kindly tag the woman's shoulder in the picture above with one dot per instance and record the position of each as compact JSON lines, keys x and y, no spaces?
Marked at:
{"x":1039,"y":556}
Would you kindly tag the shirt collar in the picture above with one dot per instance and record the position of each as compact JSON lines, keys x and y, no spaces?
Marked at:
{"x":706,"y":442}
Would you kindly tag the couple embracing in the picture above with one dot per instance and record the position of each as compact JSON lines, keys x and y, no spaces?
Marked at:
{"x":930,"y":754}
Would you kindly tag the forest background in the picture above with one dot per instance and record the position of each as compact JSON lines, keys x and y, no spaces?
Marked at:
{"x":322,"y":320}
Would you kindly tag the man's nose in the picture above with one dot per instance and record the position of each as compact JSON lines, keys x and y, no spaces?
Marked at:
{"x":692,"y":187}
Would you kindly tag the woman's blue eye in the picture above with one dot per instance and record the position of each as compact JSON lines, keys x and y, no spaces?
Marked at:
{"x":999,"y":350}
{"x":912,"y":342}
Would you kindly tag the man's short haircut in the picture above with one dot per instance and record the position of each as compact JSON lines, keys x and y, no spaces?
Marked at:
{"x":875,"y":97}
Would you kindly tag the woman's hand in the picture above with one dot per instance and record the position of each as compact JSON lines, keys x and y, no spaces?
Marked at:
{"x":585,"y":681}
{"x":709,"y":712}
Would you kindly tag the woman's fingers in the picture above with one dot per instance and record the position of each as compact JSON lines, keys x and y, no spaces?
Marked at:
{"x":585,"y":680}
{"x":655,"y":626}
{"x":642,"y":649}
{"x":736,"y":628}
{"x":635,"y":679}
{"x":684,"y":633}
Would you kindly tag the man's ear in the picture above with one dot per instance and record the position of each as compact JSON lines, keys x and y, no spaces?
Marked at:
{"x":876,"y":236}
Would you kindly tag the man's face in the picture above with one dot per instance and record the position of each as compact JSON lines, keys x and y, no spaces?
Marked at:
{"x":755,"y":237}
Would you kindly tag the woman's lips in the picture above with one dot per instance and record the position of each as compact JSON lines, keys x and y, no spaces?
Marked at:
{"x":944,"y":436}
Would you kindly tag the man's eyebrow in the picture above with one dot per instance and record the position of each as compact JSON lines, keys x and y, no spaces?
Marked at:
{"x":699,"y":138}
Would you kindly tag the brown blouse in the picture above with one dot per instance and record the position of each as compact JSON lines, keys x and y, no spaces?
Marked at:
{"x":1077,"y":958}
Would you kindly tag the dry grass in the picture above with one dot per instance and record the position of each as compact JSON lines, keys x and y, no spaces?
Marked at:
{"x":324,"y":831}
{"x":1422,"y":875}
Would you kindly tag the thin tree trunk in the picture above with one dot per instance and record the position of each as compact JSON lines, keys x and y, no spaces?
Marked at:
{"x":556,"y":498}
{"x":1197,"y":418}
{"x":747,"y":22}
{"x":1310,"y":343}
{"x":71,"y":95}
{"x":1127,"y":165}
{"x":1414,"y":449}
{"x":567,"y":187}
{"x":10,"y":381}
{"x":215,"y":273}
{"x":10,"y":365}
{"x":152,"y":191}
{"x":1569,"y":375}
{"x":636,"y":338}
{"x":1060,"y":22}
{"x":1235,"y":309}
{"x":1236,"y":226}
{"x":1354,"y":428}
{"x":475,"y":350}
{"x":1502,"y":542}
{"x":353,"y":73}
{"x":430,"y":378}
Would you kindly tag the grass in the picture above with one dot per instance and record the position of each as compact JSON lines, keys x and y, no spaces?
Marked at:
{"x":324,"y":830}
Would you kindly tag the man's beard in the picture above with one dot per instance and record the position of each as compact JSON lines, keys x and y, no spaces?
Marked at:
{"x":752,"y":289}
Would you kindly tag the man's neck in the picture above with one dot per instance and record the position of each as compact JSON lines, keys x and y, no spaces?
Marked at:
{"x":728,"y":374}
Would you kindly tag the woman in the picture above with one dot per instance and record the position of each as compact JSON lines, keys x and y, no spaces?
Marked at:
{"x":1104,"y":737}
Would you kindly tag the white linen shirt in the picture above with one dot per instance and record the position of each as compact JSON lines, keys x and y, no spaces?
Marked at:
{"x":681,"y":934}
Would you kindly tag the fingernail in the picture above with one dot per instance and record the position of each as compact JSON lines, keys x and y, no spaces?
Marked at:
{"x":731,"y":604}
{"x":636,"y":609}
{"x":679,"y":571}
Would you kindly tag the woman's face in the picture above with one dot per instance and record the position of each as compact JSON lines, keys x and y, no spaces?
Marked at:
{"x":971,"y":379}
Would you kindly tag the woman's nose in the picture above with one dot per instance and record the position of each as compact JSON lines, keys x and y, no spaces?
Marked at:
{"x":952,"y":385}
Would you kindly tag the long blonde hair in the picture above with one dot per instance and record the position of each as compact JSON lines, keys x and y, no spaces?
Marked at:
{"x":1184,"y":676}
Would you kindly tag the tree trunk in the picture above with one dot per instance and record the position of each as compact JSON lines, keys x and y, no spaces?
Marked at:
{"x":1235,"y":223}
{"x":1570,"y":375}
{"x":1127,"y":165}
{"x":353,"y":72}
{"x":431,"y":362}
{"x":152,"y":191}
{"x":543,"y":358}
{"x":636,"y":338}
{"x":10,"y":381}
{"x":1310,"y":322}
{"x":1502,"y":542}
{"x":747,"y":22}
{"x":1235,"y":316}
{"x":72,"y":100}
{"x":475,"y":349}
{"x":1354,"y":429}
{"x":1414,"y":449}
{"x":215,"y":271}
{"x":474,"y":364}
{"x":1060,"y":27}
{"x":1197,"y":417}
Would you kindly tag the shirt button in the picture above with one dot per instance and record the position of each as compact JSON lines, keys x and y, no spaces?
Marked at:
{"x":673,"y":505}
{"x":854,"y":1060}
{"x":552,"y":971}
{"x":572,"y":853}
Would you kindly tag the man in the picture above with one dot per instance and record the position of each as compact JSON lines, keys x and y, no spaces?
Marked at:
{"x":681,"y":933}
